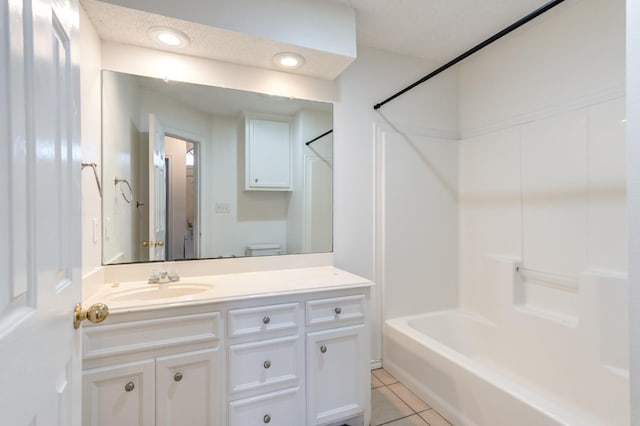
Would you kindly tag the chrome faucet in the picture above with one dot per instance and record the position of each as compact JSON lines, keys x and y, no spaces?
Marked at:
{"x":163,"y":277}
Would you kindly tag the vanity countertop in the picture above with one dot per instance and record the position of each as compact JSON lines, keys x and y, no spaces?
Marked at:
{"x":140,"y":295}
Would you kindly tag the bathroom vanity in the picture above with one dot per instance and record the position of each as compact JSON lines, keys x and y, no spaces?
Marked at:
{"x":283,"y":347}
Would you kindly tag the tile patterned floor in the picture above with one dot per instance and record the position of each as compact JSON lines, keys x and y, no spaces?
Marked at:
{"x":392,"y":404}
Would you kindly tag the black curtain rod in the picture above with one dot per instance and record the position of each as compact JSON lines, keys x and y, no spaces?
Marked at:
{"x":474,"y":49}
{"x":321,"y":136}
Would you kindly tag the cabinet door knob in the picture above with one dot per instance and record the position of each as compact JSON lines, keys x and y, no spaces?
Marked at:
{"x":266,"y":320}
{"x":266,"y":418}
{"x":267,"y":364}
{"x":338,"y":310}
{"x":177,"y":377}
{"x":129,"y":387}
{"x":323,"y":349}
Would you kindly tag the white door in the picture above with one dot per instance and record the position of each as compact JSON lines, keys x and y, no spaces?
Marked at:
{"x":157,"y":190}
{"x":39,"y":212}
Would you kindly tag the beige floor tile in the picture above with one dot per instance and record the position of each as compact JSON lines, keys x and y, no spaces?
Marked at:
{"x":409,"y":397}
{"x":384,"y":377}
{"x":414,"y":420}
{"x":434,"y":418}
{"x":386,"y":406}
{"x":375,"y":383}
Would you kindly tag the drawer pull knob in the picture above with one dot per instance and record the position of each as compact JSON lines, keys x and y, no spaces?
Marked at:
{"x":177,"y":377}
{"x":129,"y":387}
{"x":267,"y":364}
{"x":266,"y":418}
{"x":323,"y":349}
{"x":338,"y":310}
{"x":266,"y":320}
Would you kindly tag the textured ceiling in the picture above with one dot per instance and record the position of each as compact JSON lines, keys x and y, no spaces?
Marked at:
{"x":129,"y":26}
{"x":431,"y":29}
{"x":437,"y":30}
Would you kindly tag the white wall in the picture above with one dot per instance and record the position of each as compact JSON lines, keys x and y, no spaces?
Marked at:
{"x":90,"y":92}
{"x":121,"y":104}
{"x":575,"y":62}
{"x":253,"y":216}
{"x":633,"y":188}
{"x":420,"y":127}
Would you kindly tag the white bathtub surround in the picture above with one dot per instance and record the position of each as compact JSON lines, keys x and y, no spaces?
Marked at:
{"x":518,"y":365}
{"x":543,"y":225}
{"x":539,"y":333}
{"x":449,"y":371}
{"x":543,"y":265}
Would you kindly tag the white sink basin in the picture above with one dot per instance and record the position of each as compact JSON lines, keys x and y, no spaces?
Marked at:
{"x":155,"y":291}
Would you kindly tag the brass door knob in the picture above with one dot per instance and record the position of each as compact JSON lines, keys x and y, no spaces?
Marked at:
{"x":95,"y":314}
{"x":152,"y":243}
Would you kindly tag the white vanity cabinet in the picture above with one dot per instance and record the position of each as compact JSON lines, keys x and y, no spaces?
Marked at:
{"x":186,"y":389}
{"x":120,"y":394}
{"x":337,"y":376}
{"x":296,"y":358}
{"x":266,"y":363}
{"x":143,"y":373}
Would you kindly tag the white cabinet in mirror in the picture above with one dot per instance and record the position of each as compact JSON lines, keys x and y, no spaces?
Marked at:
{"x":267,"y":153}
{"x":181,"y":147}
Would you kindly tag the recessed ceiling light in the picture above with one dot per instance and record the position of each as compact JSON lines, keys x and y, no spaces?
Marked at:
{"x":288,"y":60}
{"x":168,"y":37}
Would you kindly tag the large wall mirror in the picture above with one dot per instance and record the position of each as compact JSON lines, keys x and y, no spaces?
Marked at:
{"x":194,"y":172}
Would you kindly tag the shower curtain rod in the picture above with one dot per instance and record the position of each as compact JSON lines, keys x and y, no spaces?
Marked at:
{"x":474,"y":49}
{"x":321,"y":136}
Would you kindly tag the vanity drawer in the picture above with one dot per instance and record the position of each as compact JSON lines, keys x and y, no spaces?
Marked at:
{"x":108,"y":340}
{"x":263,"y":320}
{"x":265,"y":365}
{"x":336,"y":310}
{"x":276,"y":409}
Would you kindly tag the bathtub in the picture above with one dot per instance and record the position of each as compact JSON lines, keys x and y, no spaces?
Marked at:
{"x":476,"y":373}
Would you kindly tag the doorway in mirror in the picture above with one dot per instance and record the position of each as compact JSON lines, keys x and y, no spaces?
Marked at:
{"x":181,"y":226}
